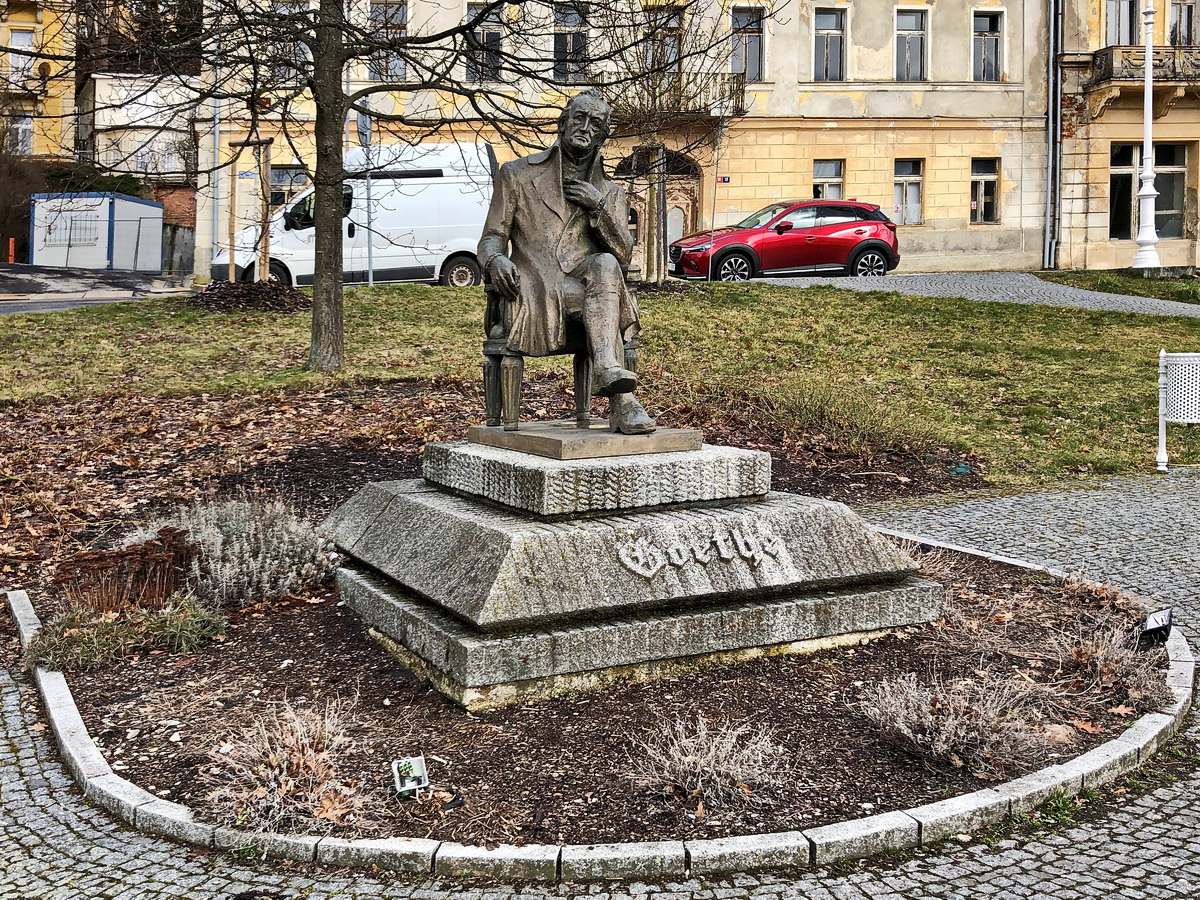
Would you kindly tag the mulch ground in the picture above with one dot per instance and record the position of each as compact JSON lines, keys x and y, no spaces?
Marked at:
{"x":560,"y":770}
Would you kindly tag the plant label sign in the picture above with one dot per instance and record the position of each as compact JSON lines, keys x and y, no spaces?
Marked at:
{"x":410,"y":774}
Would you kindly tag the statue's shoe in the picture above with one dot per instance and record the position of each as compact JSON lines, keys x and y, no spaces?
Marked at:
{"x":628,"y":416}
{"x":610,"y":382}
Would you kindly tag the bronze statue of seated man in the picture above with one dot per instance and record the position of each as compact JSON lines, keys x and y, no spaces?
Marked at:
{"x":556,"y":244}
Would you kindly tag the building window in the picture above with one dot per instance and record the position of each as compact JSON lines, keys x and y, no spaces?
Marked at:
{"x":827,"y":179}
{"x":987,"y":46}
{"x":1123,"y":17}
{"x":985,"y":184}
{"x":484,"y":44}
{"x":291,"y":58}
{"x":664,"y":38}
{"x":389,"y":22}
{"x":907,"y":192}
{"x":286,"y":183}
{"x":20,"y":65}
{"x":1183,"y":22}
{"x":910,"y":45}
{"x":1170,"y":178}
{"x":748,"y":43}
{"x":829,"y":61}
{"x":20,"y":135}
{"x":570,"y":43}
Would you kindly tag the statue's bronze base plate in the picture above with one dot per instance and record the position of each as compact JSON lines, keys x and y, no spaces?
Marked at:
{"x":566,"y":440}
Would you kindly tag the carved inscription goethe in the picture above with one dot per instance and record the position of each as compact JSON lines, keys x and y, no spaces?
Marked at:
{"x":647,"y":558}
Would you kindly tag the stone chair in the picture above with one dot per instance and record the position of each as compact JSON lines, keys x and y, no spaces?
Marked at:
{"x":504,"y":370}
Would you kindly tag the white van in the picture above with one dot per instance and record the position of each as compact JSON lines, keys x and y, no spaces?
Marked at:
{"x":412,"y":213}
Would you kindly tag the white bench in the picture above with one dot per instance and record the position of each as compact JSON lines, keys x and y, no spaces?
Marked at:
{"x":1178,"y":395}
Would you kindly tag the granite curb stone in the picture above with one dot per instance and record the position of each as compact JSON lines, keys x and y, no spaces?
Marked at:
{"x":395,"y":854}
{"x":894,"y":830}
{"x":646,"y":860}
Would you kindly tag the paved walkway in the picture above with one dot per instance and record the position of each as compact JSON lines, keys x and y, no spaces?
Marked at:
{"x":1141,"y":533}
{"x":1002,"y":287}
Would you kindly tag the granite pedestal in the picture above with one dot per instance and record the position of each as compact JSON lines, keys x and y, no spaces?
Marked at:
{"x":505,"y":575}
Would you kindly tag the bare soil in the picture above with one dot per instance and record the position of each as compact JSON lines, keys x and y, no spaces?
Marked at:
{"x":560,"y":770}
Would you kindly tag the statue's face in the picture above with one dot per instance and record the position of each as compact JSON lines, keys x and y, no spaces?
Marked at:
{"x":584,"y":126}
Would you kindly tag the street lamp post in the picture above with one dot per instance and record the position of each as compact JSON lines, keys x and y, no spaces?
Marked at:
{"x":1147,"y":235}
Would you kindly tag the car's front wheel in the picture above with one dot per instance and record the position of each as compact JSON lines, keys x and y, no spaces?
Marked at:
{"x":870,"y":263}
{"x":735,"y":267}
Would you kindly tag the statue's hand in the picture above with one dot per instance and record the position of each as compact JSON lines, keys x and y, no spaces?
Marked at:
{"x":505,"y":276}
{"x":582,"y":193}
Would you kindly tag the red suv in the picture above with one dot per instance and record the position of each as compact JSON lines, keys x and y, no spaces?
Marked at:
{"x":792,"y":238}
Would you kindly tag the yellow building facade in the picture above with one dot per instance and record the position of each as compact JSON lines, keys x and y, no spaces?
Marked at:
{"x":1103,"y":67}
{"x":36,"y":87}
{"x":936,"y":112}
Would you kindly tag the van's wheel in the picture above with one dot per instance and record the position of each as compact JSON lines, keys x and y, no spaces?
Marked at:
{"x":276,"y":274}
{"x":735,"y":267}
{"x":462,"y":271}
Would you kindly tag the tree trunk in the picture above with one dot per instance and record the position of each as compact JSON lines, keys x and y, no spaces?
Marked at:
{"x":650,"y":231}
{"x":658,"y":174}
{"x":327,"y":351}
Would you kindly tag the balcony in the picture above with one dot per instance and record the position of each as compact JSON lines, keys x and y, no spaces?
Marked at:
{"x":1172,"y":65}
{"x":679,"y":98}
{"x":1123,"y":69}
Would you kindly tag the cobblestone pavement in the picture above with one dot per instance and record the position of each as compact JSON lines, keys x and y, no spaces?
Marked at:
{"x":1138,"y":532}
{"x":1001,"y":287}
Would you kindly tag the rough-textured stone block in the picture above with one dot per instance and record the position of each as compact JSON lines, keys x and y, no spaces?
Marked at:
{"x":783,"y":850}
{"x":394,"y":854}
{"x":118,"y":796}
{"x":548,"y":487}
{"x":171,"y":820}
{"x":1104,"y":764}
{"x":500,"y":570}
{"x":474,"y":659}
{"x":350,"y":521}
{"x":862,"y":837}
{"x":565,"y":440}
{"x":508,"y":863}
{"x":1148,"y":733}
{"x":22,"y":611}
{"x":1030,"y":791}
{"x":965,"y":814}
{"x":296,"y":847}
{"x":642,"y":861}
{"x":75,"y":745}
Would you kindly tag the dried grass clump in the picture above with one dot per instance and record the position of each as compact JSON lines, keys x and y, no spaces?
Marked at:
{"x":985,"y":725}
{"x":144,"y":574}
{"x":80,"y":638}
{"x":281,"y":772}
{"x":1105,"y":667}
{"x":252,"y":549}
{"x":734,"y":763}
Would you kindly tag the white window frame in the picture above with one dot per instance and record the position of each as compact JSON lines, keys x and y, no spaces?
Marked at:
{"x":20,"y":134}
{"x":382,"y":66}
{"x":1177,"y":36}
{"x":1002,"y":49}
{"x":845,"y":35}
{"x":903,"y":182}
{"x":475,"y":71}
{"x":21,"y":67}
{"x":927,"y":40}
{"x":977,"y":191}
{"x":826,"y":181}
{"x":1133,"y":173}
{"x":584,"y":10}
{"x":1113,"y":23}
{"x":763,"y":58}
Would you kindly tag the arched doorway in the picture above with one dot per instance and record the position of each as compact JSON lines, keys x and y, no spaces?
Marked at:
{"x":683,"y":197}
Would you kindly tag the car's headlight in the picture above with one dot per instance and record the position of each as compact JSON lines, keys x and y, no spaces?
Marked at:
{"x":699,"y":248}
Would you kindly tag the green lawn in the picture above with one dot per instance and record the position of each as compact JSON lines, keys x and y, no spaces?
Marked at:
{"x":1037,"y":391}
{"x":1130,"y":283}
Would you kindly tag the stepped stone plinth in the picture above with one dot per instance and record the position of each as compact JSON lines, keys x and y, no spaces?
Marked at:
{"x":505,"y":575}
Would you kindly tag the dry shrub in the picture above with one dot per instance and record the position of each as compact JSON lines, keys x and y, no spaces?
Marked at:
{"x":79,"y":638}
{"x":281,"y":772}
{"x":140,"y":575}
{"x":252,"y":549}
{"x":734,"y":763}
{"x":985,"y":725}
{"x":1105,"y":667}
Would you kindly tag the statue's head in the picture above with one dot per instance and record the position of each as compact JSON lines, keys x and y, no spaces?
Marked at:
{"x":584,"y":123}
